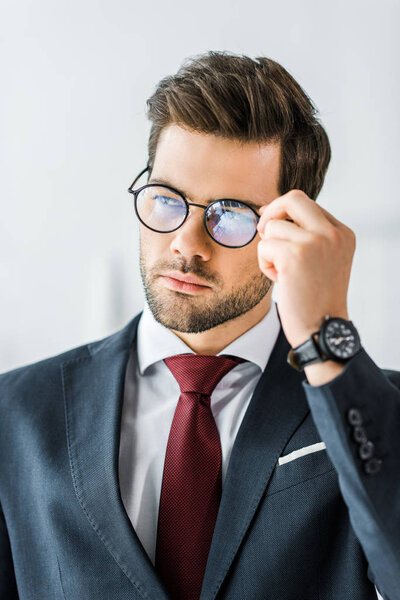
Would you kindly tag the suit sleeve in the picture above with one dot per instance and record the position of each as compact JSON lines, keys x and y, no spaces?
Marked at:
{"x":357,"y":415}
{"x":8,"y":586}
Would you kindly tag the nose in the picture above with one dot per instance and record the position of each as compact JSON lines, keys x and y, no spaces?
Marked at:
{"x":192,"y":239}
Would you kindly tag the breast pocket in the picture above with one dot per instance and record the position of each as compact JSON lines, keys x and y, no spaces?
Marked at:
{"x":299,"y":466}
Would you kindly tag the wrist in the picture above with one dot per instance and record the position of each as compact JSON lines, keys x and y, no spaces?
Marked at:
{"x":305,"y":334}
{"x":335,"y":342}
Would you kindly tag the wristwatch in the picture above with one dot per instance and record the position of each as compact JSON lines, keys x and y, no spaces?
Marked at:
{"x":336,"y":340}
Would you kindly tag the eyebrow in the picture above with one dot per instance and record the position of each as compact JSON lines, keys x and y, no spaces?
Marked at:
{"x":186,"y":195}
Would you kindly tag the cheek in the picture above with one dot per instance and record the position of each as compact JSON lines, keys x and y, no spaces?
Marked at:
{"x":248,"y":259}
{"x":153,"y":244}
{"x":240,"y":265}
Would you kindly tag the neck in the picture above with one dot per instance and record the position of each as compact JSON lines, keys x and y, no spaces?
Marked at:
{"x":216,"y":339}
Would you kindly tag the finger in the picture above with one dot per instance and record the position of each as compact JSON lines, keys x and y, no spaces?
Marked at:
{"x":284,"y":230}
{"x":266,"y":263}
{"x":272,"y":253}
{"x":300,"y":208}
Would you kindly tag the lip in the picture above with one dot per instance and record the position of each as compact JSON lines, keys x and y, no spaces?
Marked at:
{"x":186,"y":278}
{"x":184,"y":283}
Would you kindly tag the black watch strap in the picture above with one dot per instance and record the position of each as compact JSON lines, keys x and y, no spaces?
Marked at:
{"x":305,"y":354}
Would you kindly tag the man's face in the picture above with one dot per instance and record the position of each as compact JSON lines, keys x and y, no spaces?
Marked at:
{"x":205,"y":168}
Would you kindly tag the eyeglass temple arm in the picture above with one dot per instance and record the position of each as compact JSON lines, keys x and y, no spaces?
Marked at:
{"x":137,"y":178}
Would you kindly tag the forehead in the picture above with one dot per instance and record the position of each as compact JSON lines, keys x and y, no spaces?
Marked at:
{"x":207,"y":166}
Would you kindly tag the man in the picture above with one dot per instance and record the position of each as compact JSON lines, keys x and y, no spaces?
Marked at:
{"x":220,"y":445}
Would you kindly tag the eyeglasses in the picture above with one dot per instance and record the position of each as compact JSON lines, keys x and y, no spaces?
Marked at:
{"x":163,"y":209}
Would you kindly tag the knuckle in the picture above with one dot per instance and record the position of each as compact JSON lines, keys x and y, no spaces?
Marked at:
{"x":262,"y":248}
{"x":312,"y":238}
{"x":298,"y":193}
{"x":316,"y":239}
{"x":352,"y":237}
{"x":298,"y":250}
{"x":334,"y":235}
{"x":269,"y":226}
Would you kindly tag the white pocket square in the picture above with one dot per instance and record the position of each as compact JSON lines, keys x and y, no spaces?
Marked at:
{"x":301,"y":452}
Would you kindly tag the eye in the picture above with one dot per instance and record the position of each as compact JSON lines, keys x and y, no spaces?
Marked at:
{"x":167,"y":200}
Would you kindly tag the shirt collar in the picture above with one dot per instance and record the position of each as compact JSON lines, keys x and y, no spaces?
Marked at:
{"x":156,"y":342}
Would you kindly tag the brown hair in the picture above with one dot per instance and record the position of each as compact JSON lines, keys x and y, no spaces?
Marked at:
{"x":236,"y":97}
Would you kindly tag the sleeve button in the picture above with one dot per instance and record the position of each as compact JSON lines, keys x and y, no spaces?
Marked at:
{"x":373,"y":466}
{"x":366,"y":450}
{"x":354,"y":417}
{"x":359,"y":434}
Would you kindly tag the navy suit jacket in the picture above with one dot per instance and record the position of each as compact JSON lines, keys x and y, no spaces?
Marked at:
{"x":315,"y":528}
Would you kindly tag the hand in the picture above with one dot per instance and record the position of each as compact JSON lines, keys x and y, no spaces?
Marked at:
{"x":310,"y":260}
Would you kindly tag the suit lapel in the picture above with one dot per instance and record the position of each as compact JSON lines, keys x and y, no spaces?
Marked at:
{"x":276,"y":410}
{"x":93,"y":393}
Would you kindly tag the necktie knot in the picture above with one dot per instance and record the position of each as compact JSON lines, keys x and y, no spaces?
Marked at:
{"x":200,"y":373}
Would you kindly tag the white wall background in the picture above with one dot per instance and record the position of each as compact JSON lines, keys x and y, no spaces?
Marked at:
{"x":75,"y":76}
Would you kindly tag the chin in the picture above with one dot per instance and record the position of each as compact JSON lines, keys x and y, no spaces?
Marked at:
{"x":182,"y":312}
{"x":187,"y":313}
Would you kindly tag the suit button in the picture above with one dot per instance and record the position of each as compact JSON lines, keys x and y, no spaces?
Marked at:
{"x":373,"y":466}
{"x":354,"y":417}
{"x":360,"y":435}
{"x":366,"y":450}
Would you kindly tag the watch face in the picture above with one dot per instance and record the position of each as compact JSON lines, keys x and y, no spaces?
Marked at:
{"x":341,"y":338}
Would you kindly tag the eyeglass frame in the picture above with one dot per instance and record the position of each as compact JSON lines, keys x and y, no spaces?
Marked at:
{"x":188,"y":204}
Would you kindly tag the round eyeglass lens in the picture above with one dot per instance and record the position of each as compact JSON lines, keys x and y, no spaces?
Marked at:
{"x":160,"y":208}
{"x":231,"y":223}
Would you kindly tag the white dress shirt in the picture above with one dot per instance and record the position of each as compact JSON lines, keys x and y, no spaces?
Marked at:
{"x":151,"y":394}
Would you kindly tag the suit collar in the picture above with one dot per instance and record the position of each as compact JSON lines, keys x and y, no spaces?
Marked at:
{"x":93,"y":392}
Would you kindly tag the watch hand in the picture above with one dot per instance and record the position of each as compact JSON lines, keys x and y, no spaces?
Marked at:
{"x":337,"y":341}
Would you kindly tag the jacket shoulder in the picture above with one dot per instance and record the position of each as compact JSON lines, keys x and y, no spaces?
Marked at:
{"x":45,"y":374}
{"x":393,"y":376}
{"x":42,"y":370}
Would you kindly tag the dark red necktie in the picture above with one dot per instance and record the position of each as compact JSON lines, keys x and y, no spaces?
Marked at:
{"x":192,"y":479}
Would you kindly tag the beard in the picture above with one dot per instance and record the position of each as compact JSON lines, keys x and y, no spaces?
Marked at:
{"x":188,"y":313}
